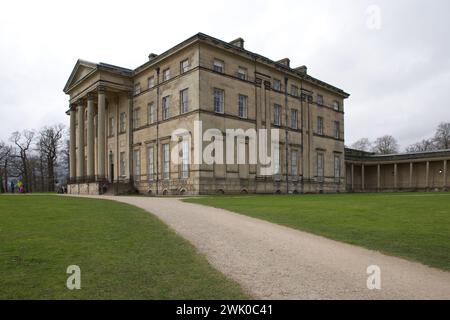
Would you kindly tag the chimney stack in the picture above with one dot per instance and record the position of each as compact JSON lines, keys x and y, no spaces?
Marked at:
{"x":239,"y":42}
{"x":285,"y":61}
{"x":152,"y":56}
{"x":302,"y":69}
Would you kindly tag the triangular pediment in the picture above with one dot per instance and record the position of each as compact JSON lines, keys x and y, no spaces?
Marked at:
{"x":81,"y":70}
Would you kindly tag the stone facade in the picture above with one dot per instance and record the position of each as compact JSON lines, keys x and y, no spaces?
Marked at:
{"x":176,"y":90}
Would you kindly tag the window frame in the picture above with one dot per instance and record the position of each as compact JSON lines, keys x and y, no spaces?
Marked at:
{"x":320,"y":128}
{"x":294,"y":124}
{"x":166,"y":161}
{"x":184,"y":105}
{"x":221,"y":100}
{"x":277,"y":115}
{"x":220,"y":64}
{"x":166,"y":74}
{"x":243,"y":107}
{"x":166,"y":107}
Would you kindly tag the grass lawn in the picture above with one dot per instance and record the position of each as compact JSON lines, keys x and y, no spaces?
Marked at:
{"x":414,"y":226}
{"x":123,"y":253}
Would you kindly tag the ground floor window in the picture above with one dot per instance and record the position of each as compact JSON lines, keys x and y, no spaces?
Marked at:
{"x":337,"y":168}
{"x":150,"y":164}
{"x":294,"y":163}
{"x":122,"y":164}
{"x":276,"y":160}
{"x":320,"y":169}
{"x":185,"y":159}
{"x":137,"y":164}
{"x":166,"y":161}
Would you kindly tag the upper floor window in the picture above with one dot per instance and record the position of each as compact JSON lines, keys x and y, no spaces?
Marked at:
{"x":137,"y":88}
{"x":242,"y":73}
{"x":336,"y":105}
{"x":111,"y":126}
{"x":320,"y":126}
{"x":243,"y":106}
{"x":320,"y":100}
{"x":165,"y":107}
{"x":136,"y":122}
{"x":294,"y":91}
{"x":184,"y":101}
{"x":151,"y":109}
{"x":166,"y":74}
{"x":276,"y":85}
{"x":294,"y":119}
{"x":151,"y":82}
{"x":218,"y":100}
{"x":123,"y":121}
{"x":277,"y":115}
{"x":184,"y":66}
{"x":218,"y":66}
{"x":337,"y":129}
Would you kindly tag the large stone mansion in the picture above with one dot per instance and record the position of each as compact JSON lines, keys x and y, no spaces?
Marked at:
{"x":122,"y":120}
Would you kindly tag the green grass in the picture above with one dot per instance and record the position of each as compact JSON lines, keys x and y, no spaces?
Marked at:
{"x":415,"y":226}
{"x":123,"y":252}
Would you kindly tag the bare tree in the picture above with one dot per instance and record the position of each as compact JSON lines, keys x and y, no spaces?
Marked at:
{"x":422,"y":146}
{"x":5,"y":156}
{"x":49,"y":145}
{"x":363,"y":144}
{"x":385,"y":145}
{"x":22,"y":141}
{"x":442,"y":136}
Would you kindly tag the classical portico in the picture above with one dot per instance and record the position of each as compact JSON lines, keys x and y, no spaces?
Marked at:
{"x":98,"y":95}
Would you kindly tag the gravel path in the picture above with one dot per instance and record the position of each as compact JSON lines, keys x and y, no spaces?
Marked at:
{"x":276,"y":262}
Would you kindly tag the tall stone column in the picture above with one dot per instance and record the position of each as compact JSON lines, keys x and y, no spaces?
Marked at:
{"x":353,"y":177}
{"x":411,"y":168}
{"x":395,"y":176}
{"x":101,"y":142}
{"x":130,"y":137}
{"x":378,"y":177}
{"x":427,"y":175}
{"x":90,"y":137}
{"x":445,"y":174}
{"x":80,"y":139}
{"x":73,"y":143}
{"x":363,"y":180}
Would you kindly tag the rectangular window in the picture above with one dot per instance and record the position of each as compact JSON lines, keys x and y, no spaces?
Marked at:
{"x":320,"y":126}
{"x":122,"y":164}
{"x":137,"y":88}
{"x":150,"y":164}
{"x":185,"y":159}
{"x":184,"y":66}
{"x":277,"y":115}
{"x":337,"y":129}
{"x":294,"y":119}
{"x":276,"y":160}
{"x":166,"y":107}
{"x":111,"y":126}
{"x":184,"y":101}
{"x":123,"y":122}
{"x":320,"y":170}
{"x":337,"y":168}
{"x":276,"y":85}
{"x":294,"y":91}
{"x":294,"y":163}
{"x":151,"y":112}
{"x":137,"y":164}
{"x":243,"y":102}
{"x":320,"y":100}
{"x":166,"y":74}
{"x":166,"y":161}
{"x":218,"y":100}
{"x":242,"y":73}
{"x":218,"y":66}
{"x":136,"y":122}
{"x":336,"y":105}
{"x":151,"y":82}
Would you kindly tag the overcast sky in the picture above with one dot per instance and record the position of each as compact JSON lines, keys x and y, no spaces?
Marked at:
{"x":393,"y":57}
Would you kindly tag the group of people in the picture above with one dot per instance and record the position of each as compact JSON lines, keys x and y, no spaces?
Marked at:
{"x":20,"y":187}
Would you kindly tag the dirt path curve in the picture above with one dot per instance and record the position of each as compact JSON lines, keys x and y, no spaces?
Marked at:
{"x":275,"y":262}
